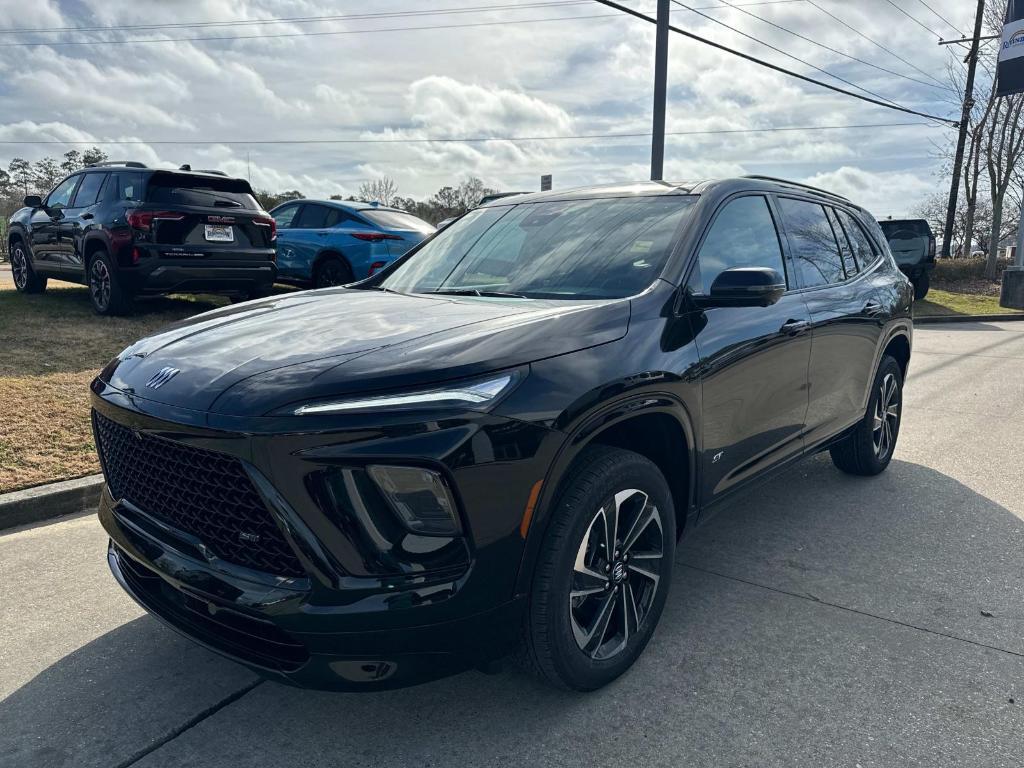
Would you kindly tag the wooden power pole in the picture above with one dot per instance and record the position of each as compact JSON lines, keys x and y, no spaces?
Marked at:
{"x":965,"y":124}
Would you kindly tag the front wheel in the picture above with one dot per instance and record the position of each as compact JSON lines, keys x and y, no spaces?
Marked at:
{"x":604,"y":570}
{"x":868,"y":449}
{"x":25,"y":278}
{"x":105,"y":290}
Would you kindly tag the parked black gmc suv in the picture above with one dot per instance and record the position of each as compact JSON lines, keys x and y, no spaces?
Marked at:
{"x":496,"y":442}
{"x":123,"y":229}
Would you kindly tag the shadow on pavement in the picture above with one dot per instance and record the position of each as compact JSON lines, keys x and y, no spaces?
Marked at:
{"x":739,"y":673}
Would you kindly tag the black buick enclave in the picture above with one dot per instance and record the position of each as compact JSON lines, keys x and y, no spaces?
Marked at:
{"x":497,"y":442}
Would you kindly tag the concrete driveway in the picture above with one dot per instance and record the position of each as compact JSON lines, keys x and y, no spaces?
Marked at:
{"x":822,"y":621}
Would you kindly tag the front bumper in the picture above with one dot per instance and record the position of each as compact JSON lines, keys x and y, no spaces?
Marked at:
{"x":347,"y":622}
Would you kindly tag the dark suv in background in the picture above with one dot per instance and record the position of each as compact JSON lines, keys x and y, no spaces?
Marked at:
{"x":913,"y":246}
{"x":499,"y":438}
{"x":124,"y":229}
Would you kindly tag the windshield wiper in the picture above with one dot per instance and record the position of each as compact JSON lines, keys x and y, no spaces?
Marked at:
{"x":478,"y":292}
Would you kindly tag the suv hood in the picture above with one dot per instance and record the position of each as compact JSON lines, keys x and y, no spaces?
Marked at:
{"x":253,"y":358}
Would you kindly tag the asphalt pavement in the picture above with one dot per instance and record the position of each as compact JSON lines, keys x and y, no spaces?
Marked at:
{"x":823,"y":620}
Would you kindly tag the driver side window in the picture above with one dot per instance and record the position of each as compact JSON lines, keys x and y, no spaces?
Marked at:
{"x":61,"y":195}
{"x":743,"y":235}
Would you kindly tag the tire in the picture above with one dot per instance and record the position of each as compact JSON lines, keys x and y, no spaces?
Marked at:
{"x":564,"y":639}
{"x":868,"y":449}
{"x":25,"y":278}
{"x":105,"y":290}
{"x":921,"y":286}
{"x":332,"y":271}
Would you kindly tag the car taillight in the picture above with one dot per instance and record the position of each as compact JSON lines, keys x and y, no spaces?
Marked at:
{"x":931,"y":247}
{"x":374,"y":237}
{"x":136,"y":255}
{"x":144,"y":219}
{"x":375,"y":266}
{"x":267,"y":221}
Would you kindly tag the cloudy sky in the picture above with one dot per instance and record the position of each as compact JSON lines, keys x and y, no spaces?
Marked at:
{"x":396,"y":71}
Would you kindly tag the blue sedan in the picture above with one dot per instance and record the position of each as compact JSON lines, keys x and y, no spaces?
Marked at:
{"x":328,"y":242}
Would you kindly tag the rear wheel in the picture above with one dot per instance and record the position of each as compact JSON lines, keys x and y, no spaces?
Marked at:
{"x":105,"y":289}
{"x":332,"y":271}
{"x":868,"y":449}
{"x":921,"y":286}
{"x":603,"y":573}
{"x":25,"y":278}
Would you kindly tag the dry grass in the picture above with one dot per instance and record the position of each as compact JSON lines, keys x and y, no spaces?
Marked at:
{"x":51,"y":346}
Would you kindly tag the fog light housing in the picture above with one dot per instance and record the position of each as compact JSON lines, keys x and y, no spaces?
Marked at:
{"x":419,"y":497}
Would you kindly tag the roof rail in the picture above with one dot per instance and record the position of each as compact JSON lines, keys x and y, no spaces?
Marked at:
{"x":125,"y":163}
{"x":215,"y":173}
{"x":789,"y":183}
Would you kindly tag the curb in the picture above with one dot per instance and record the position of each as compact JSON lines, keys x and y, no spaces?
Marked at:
{"x":935,"y":319}
{"x":33,"y":505}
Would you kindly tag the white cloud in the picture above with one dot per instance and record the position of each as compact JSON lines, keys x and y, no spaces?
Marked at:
{"x":583,"y":76}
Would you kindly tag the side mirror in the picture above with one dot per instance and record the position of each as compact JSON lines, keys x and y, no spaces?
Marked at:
{"x":745,"y":287}
{"x":33,"y":201}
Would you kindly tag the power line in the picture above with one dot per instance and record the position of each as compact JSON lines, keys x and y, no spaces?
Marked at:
{"x":775,"y":67}
{"x":876,"y":43}
{"x":468,"y":140}
{"x":942,"y":18}
{"x":739,"y":7}
{"x":323,"y":18}
{"x":915,"y":20}
{"x":210,"y":38}
{"x":784,"y":53}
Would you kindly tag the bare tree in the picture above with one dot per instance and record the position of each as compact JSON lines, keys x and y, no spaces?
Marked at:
{"x":383,"y":190}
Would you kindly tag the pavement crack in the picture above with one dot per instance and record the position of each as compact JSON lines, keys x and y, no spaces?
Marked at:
{"x":190,"y":723}
{"x":814,"y":599}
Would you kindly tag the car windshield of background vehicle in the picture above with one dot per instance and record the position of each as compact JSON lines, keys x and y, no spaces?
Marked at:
{"x":574,"y":249}
{"x":203,"y":193}
{"x":397,"y":220}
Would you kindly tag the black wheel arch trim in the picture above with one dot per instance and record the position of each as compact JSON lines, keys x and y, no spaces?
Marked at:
{"x":587,"y":429}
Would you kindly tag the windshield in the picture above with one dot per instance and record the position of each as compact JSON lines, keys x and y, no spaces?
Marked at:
{"x":396,"y":220}
{"x":904,"y":230}
{"x":576,"y":249}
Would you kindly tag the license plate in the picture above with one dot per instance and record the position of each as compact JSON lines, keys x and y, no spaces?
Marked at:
{"x":220,"y":233}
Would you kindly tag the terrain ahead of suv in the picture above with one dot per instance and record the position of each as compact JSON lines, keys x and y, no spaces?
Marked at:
{"x":123,"y":229}
{"x":326,"y":242}
{"x":499,"y":438}
{"x":913,"y":246}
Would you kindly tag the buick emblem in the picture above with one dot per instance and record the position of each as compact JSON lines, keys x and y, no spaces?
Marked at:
{"x":619,"y":572}
{"x":161,"y":377}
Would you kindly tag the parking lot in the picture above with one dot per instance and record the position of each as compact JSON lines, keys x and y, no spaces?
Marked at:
{"x":824,"y":620}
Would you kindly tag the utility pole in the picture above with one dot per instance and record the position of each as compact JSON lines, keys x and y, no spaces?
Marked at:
{"x":660,"y":90}
{"x":965,"y":123}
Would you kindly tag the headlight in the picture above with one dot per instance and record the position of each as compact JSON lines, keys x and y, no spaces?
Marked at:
{"x":475,"y":395}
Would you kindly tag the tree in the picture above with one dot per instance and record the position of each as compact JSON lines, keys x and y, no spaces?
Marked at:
{"x":45,"y":174}
{"x":269,"y":200}
{"x":72,"y":161}
{"x":383,"y":190}
{"x":20,"y":171}
{"x":94,"y":155}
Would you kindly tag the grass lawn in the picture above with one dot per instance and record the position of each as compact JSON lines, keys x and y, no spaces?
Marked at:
{"x":941,"y":302}
{"x":51,"y":346}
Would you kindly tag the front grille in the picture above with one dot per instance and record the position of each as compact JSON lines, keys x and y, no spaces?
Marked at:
{"x":241,"y":636}
{"x":203,"y":493}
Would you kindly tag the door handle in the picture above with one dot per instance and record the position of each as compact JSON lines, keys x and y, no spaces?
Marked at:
{"x":794,"y":327}
{"x":87,"y":216}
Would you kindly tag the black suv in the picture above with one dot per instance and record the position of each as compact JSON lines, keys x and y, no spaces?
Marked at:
{"x":913,"y":247}
{"x":124,"y":229}
{"x":499,"y":438}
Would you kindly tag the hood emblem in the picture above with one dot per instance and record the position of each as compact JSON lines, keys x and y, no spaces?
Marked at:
{"x":161,"y":377}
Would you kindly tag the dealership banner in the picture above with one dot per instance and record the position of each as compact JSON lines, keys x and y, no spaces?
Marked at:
{"x":1010,"y":76}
